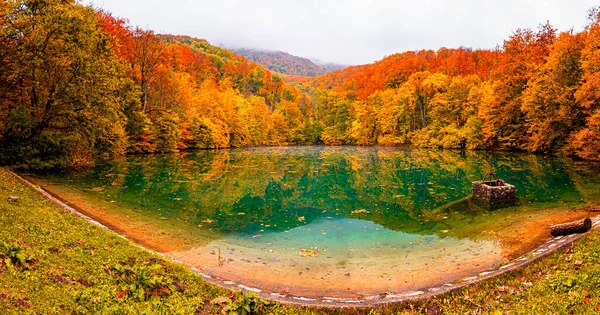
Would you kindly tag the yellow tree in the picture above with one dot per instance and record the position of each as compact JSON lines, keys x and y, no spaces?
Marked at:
{"x":524,"y":52}
{"x":363,"y":129}
{"x":550,"y":108}
{"x":589,"y":93}
{"x":255,"y":113}
{"x":586,"y":142}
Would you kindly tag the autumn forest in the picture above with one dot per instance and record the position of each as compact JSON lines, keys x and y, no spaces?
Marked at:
{"x":78,"y":84}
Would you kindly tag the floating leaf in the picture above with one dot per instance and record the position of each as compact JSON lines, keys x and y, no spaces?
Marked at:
{"x":310,"y":252}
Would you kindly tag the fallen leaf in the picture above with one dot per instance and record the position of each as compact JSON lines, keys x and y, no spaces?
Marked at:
{"x":310,"y":252}
{"x":23,"y":303}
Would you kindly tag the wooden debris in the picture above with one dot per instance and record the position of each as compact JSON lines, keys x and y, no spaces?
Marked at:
{"x":580,"y":226}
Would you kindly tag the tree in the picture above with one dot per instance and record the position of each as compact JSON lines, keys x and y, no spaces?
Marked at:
{"x":524,"y":52}
{"x":585,"y":143}
{"x":144,"y":51}
{"x":588,"y":95}
{"x":61,"y":102}
{"x":335,"y":114}
{"x":549,"y":105}
{"x":364,"y":127}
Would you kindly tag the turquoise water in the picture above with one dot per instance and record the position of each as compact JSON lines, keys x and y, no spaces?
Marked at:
{"x":245,"y":190}
{"x":337,"y":208}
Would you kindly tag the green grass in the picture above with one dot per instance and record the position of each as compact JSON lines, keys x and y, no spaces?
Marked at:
{"x":54,"y":262}
{"x":80,"y":267}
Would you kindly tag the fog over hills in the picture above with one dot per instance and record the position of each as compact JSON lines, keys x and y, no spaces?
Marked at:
{"x":286,"y":63}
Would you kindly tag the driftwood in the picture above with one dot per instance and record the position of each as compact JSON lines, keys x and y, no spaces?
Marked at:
{"x":580,"y":226}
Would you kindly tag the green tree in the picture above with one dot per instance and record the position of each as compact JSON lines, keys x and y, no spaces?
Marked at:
{"x":60,"y":85}
{"x":168,"y":131}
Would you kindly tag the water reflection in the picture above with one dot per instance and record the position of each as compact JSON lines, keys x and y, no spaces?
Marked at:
{"x":238,"y":190}
{"x":310,"y":220}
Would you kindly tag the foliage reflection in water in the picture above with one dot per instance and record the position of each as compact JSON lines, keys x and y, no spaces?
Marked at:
{"x":337,"y":221}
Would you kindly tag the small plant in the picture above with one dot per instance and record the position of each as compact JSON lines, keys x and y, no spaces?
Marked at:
{"x":562,"y":282}
{"x":243,"y":304}
{"x":16,"y":256}
{"x":141,"y":281}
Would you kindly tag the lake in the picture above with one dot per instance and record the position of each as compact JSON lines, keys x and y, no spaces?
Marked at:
{"x":330,"y":221}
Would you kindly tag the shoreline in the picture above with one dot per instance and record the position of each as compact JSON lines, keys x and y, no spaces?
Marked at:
{"x":365,"y":301}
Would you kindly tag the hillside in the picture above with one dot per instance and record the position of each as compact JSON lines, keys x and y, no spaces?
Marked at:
{"x":393,"y":70}
{"x":102,"y":88}
{"x":285,"y":63}
{"x":536,"y":93}
{"x":330,"y":67}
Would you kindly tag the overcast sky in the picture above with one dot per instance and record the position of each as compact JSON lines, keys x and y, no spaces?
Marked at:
{"x":349,"y":31}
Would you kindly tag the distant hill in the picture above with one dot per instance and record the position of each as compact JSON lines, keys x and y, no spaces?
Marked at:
{"x":285,"y":63}
{"x":330,"y":67}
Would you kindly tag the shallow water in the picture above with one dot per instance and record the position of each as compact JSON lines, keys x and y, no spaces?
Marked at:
{"x":332,"y":221}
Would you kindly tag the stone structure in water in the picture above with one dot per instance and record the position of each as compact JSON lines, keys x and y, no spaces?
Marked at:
{"x":493,"y":193}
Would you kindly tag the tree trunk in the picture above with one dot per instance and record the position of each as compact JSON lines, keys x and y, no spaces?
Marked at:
{"x":145,"y":95}
{"x":580,"y":226}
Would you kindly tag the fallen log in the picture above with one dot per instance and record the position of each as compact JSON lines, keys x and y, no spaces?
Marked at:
{"x":580,"y":226}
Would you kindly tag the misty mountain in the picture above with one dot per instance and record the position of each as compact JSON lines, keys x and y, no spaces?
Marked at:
{"x":282,"y":62}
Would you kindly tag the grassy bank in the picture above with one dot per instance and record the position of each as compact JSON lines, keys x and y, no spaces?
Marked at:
{"x":54,"y":262}
{"x":72,"y":265}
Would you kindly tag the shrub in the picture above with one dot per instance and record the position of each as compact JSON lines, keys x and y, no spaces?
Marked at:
{"x":141,"y":281}
{"x":562,"y":282}
{"x":16,"y":256}
{"x":242,"y":304}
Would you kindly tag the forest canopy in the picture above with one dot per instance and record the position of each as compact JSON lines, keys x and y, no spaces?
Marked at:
{"x":78,"y":84}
